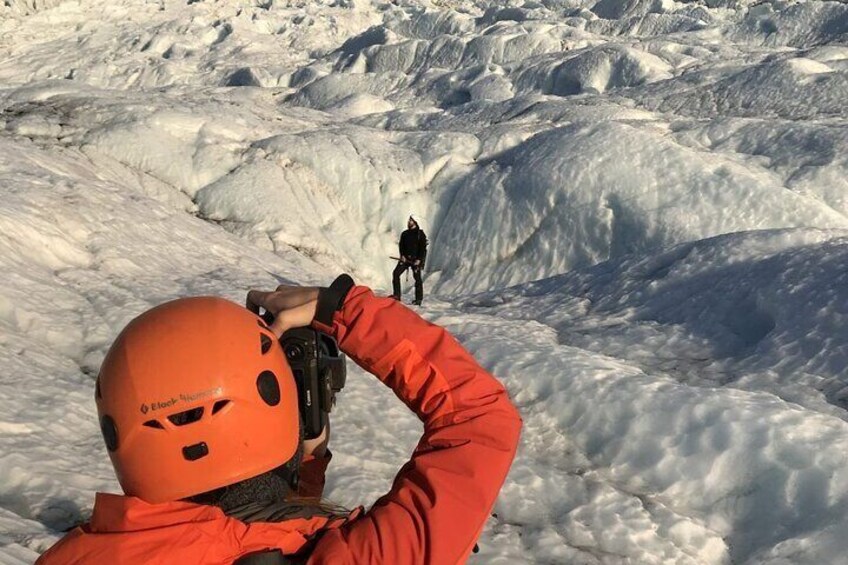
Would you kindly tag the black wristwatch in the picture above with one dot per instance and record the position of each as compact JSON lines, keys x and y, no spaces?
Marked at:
{"x":331,"y":299}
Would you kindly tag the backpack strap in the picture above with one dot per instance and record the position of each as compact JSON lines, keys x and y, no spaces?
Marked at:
{"x":276,"y":557}
{"x":283,"y":511}
{"x":269,"y":557}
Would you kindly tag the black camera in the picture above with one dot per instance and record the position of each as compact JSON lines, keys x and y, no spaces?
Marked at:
{"x":319,"y":371}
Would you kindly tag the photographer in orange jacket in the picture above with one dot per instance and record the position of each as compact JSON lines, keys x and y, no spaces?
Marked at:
{"x":199,"y":411}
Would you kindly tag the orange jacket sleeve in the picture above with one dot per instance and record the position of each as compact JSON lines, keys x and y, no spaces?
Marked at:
{"x":442,"y":497}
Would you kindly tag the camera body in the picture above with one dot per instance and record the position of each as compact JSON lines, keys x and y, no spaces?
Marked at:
{"x":319,"y":371}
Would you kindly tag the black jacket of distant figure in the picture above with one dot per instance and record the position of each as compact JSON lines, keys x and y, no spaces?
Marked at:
{"x":413,"y":245}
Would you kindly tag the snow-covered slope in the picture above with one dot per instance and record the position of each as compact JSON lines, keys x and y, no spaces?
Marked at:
{"x":671,"y":174}
{"x":607,"y":128}
{"x":677,"y":405}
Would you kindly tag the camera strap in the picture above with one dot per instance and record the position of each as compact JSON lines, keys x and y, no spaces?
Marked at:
{"x":331,"y":299}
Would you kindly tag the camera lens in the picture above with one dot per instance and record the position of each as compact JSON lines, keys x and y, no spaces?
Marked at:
{"x":294,"y":352}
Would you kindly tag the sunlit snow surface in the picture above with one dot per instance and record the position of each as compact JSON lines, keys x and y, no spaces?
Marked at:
{"x":672,"y":175}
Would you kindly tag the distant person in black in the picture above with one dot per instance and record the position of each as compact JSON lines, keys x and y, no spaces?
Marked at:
{"x":413,"y":253}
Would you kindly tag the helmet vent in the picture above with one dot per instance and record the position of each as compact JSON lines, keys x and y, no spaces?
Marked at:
{"x":266,"y":343}
{"x":219,"y":406}
{"x":154,"y":424}
{"x":196,"y":451}
{"x":186,"y":417}
{"x":269,"y":388}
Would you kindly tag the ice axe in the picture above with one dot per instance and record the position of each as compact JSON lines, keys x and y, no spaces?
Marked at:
{"x":405,"y":262}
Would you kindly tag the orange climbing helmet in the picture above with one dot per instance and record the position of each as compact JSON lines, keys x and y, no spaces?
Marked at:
{"x":194,"y":395}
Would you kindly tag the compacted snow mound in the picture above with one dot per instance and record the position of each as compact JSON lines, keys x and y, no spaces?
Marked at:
{"x":617,"y":461}
{"x":794,"y":88}
{"x":581,"y":194}
{"x":759,"y":321}
{"x":595,"y":70}
{"x":25,"y":7}
{"x":809,"y":158}
{"x":753,"y":310}
{"x":795,"y":24}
